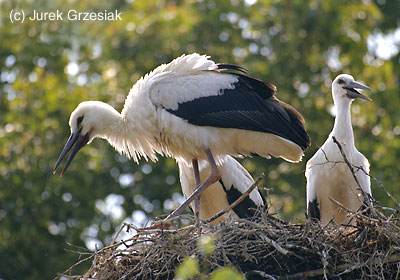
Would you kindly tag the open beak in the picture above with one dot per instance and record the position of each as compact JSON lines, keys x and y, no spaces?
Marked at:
{"x":79,"y":141}
{"x":353,"y":93}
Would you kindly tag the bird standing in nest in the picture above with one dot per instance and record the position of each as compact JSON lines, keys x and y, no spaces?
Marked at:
{"x":328,"y":176}
{"x":193,"y":110}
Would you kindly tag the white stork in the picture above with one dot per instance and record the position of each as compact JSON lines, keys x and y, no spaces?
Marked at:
{"x":234,"y":181}
{"x":328,"y":176}
{"x":193,"y":109}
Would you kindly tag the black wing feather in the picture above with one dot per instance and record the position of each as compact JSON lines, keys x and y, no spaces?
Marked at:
{"x":313,"y":210}
{"x":245,"y":209}
{"x":250,"y":105}
{"x":225,"y":67}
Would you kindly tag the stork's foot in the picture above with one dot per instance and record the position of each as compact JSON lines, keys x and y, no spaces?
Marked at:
{"x":161,"y":225}
{"x":155,"y":226}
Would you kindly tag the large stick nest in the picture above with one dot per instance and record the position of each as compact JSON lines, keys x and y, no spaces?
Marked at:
{"x":262,"y":248}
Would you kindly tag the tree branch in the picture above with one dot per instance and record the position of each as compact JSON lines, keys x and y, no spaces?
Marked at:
{"x":367,"y":198}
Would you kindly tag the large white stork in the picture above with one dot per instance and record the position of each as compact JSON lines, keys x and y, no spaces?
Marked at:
{"x":328,"y":176}
{"x":235,"y":180}
{"x":193,"y":109}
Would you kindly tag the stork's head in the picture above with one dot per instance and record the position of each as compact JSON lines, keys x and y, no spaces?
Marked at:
{"x":345,"y":88}
{"x":89,"y":120}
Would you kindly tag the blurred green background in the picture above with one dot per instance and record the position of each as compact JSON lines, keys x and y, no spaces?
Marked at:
{"x":48,"y":67}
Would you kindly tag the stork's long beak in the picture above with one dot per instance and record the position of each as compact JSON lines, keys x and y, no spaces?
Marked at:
{"x":80,"y":140}
{"x":353,"y":93}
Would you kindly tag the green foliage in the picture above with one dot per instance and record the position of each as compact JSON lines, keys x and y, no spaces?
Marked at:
{"x":188,"y":269}
{"x":206,"y":244}
{"x":227,"y":273}
{"x":47,"y":68}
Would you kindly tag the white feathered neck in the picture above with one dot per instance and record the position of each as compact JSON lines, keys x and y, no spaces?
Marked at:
{"x":342,"y":128}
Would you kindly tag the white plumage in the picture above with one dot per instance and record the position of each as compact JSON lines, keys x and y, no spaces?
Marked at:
{"x":234,"y":181}
{"x":328,"y":176}
{"x":193,"y":109}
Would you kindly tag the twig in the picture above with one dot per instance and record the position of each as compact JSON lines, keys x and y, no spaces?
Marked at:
{"x":263,"y":274}
{"x":68,"y":276}
{"x":343,"y":267}
{"x":378,"y":214}
{"x":240,"y":199}
{"x":341,"y":205}
{"x":326,"y":157}
{"x":92,"y":255}
{"x":352,"y":213}
{"x":387,"y":220}
{"x":367,"y":198}
{"x":381,"y":186}
{"x":349,"y":165}
{"x":118,"y":232}
{"x":74,"y":265}
{"x":274,"y":244}
{"x":327,"y":160}
{"x":324,"y":263}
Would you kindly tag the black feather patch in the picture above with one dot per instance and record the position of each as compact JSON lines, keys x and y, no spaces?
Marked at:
{"x":245,"y":209}
{"x":313,"y":210}
{"x":225,"y":66}
{"x":250,"y":105}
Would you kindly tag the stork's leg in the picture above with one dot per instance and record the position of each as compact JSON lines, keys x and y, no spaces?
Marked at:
{"x":197,"y":183}
{"x":214,"y":176}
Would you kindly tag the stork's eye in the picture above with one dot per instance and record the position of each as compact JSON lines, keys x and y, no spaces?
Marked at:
{"x":79,"y":120}
{"x":340,"y":81}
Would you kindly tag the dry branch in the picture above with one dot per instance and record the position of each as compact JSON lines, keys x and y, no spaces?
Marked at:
{"x":367,"y":198}
{"x":240,"y":199}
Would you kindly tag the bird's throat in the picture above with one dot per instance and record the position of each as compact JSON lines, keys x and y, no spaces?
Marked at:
{"x":342,"y":129}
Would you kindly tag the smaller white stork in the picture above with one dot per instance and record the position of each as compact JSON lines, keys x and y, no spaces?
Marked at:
{"x":328,"y":176}
{"x":235,"y":180}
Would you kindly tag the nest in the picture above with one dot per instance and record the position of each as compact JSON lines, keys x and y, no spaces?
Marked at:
{"x":262,"y":248}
